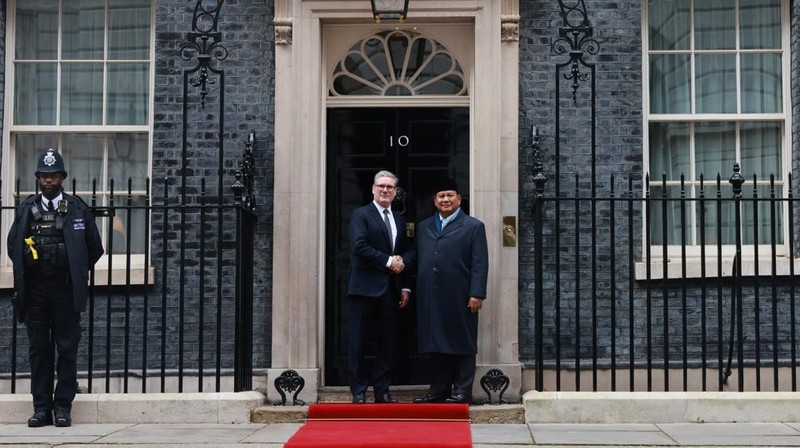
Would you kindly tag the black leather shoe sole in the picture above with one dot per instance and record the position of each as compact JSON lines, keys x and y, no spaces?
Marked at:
{"x":457,"y":398}
{"x":429,"y":399}
{"x":386,"y":398}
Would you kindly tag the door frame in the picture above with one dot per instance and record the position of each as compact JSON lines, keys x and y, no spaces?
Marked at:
{"x":414,"y":166}
{"x":298,"y":283}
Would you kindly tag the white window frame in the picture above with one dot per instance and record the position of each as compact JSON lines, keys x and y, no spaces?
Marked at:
{"x":692,"y":249}
{"x":118,"y":262}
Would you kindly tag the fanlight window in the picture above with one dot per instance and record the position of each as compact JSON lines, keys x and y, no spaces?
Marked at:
{"x":398,"y":63}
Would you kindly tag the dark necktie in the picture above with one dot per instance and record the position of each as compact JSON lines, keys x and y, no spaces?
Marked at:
{"x":50,"y":206}
{"x":388,"y":225}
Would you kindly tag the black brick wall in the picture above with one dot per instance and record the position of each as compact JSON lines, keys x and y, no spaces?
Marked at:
{"x":617,"y":29}
{"x":248,"y":36}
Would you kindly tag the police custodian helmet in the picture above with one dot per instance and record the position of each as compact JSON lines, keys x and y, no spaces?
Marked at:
{"x":50,"y":162}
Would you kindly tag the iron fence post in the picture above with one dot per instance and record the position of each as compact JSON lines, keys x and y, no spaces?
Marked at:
{"x":539,"y":180}
{"x":245,"y":223}
{"x":737,"y":180}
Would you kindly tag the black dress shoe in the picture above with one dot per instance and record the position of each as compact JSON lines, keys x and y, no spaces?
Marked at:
{"x":428,"y":398}
{"x":40,"y":418}
{"x":359,"y":398}
{"x":457,"y":398}
{"x":385,"y":397}
{"x":62,"y":418}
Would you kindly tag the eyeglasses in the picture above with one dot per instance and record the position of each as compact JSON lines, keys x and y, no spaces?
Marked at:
{"x":385,"y":187}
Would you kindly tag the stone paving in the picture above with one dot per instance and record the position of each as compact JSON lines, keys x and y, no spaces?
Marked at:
{"x":250,"y":435}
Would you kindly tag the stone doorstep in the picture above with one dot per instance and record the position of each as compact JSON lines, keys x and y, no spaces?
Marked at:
{"x":506,"y":413}
{"x":511,"y":413}
{"x":223,"y":407}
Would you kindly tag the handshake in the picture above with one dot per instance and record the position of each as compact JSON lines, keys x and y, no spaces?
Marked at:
{"x":397,"y":265}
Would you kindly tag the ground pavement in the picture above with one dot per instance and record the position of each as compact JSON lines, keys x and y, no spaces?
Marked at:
{"x":249,"y":435}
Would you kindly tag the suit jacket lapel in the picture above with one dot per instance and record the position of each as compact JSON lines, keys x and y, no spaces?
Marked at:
{"x":381,"y":223}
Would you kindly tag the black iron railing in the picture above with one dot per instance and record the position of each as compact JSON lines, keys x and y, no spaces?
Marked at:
{"x":698,"y":283}
{"x":183,"y":311}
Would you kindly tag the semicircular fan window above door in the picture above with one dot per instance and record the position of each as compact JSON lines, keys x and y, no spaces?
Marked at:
{"x":397,"y":63}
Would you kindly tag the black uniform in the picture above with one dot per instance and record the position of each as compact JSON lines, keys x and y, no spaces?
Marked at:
{"x":52,"y":252}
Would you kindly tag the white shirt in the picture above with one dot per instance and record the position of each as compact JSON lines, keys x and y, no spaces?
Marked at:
{"x":392,"y":224}
{"x":55,"y":200}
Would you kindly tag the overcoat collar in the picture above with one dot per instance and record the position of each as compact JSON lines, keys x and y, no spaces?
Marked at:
{"x":450,"y":227}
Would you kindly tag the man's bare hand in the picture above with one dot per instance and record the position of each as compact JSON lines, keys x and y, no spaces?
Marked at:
{"x":397,"y":265}
{"x":405,"y":297}
{"x":475,"y":304}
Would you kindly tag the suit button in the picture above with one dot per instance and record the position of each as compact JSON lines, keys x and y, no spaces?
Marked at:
{"x":435,"y":269}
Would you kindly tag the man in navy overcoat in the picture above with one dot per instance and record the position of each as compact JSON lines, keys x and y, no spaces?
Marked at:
{"x":452,"y":269}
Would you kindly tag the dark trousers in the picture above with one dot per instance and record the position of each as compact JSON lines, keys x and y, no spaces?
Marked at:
{"x":58,"y":329}
{"x":452,"y":374}
{"x":371,"y":319}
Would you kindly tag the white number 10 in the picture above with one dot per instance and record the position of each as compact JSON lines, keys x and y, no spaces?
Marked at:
{"x":401,"y":141}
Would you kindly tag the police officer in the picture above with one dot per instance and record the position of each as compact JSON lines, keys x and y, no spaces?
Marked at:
{"x":53,"y":243}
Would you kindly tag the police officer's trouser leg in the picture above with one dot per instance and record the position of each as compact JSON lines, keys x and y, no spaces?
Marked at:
{"x":67,"y":336}
{"x":40,"y":356}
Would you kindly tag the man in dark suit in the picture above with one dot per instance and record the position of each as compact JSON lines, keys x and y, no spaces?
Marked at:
{"x":53,"y":243}
{"x":452,"y":269}
{"x":377,"y":238}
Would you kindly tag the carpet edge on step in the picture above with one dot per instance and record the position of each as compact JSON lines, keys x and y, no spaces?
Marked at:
{"x":394,"y":411}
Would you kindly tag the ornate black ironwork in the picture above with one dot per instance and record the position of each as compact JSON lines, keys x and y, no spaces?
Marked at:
{"x":290,"y":381}
{"x":495,"y":380}
{"x":539,"y":179}
{"x":575,"y":38}
{"x":204,"y":43}
{"x":737,"y":180}
{"x":243,"y":190}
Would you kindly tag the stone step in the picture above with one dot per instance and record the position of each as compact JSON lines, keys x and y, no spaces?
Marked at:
{"x":508,"y":413}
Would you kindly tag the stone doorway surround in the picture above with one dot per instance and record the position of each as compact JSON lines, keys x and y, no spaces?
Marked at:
{"x":299,"y":220}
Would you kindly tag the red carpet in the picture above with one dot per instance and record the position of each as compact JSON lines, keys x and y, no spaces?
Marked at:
{"x":385,"y":426}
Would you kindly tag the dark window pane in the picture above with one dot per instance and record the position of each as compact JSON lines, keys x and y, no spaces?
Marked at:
{"x":668,"y":22}
{"x":82,"y":94}
{"x":83,"y":26}
{"x":35,"y":93}
{"x":36,"y":29}
{"x":128,"y":88}
{"x":129,"y":29}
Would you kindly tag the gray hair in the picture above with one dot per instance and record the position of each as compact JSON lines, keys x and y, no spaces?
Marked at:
{"x":385,"y":173}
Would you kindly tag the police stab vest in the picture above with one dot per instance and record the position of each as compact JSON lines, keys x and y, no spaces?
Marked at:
{"x":44,"y":242}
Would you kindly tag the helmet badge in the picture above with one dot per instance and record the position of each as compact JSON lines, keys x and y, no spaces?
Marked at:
{"x":49,"y":158}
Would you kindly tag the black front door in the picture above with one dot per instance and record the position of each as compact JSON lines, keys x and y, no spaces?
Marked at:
{"x":419,"y":145}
